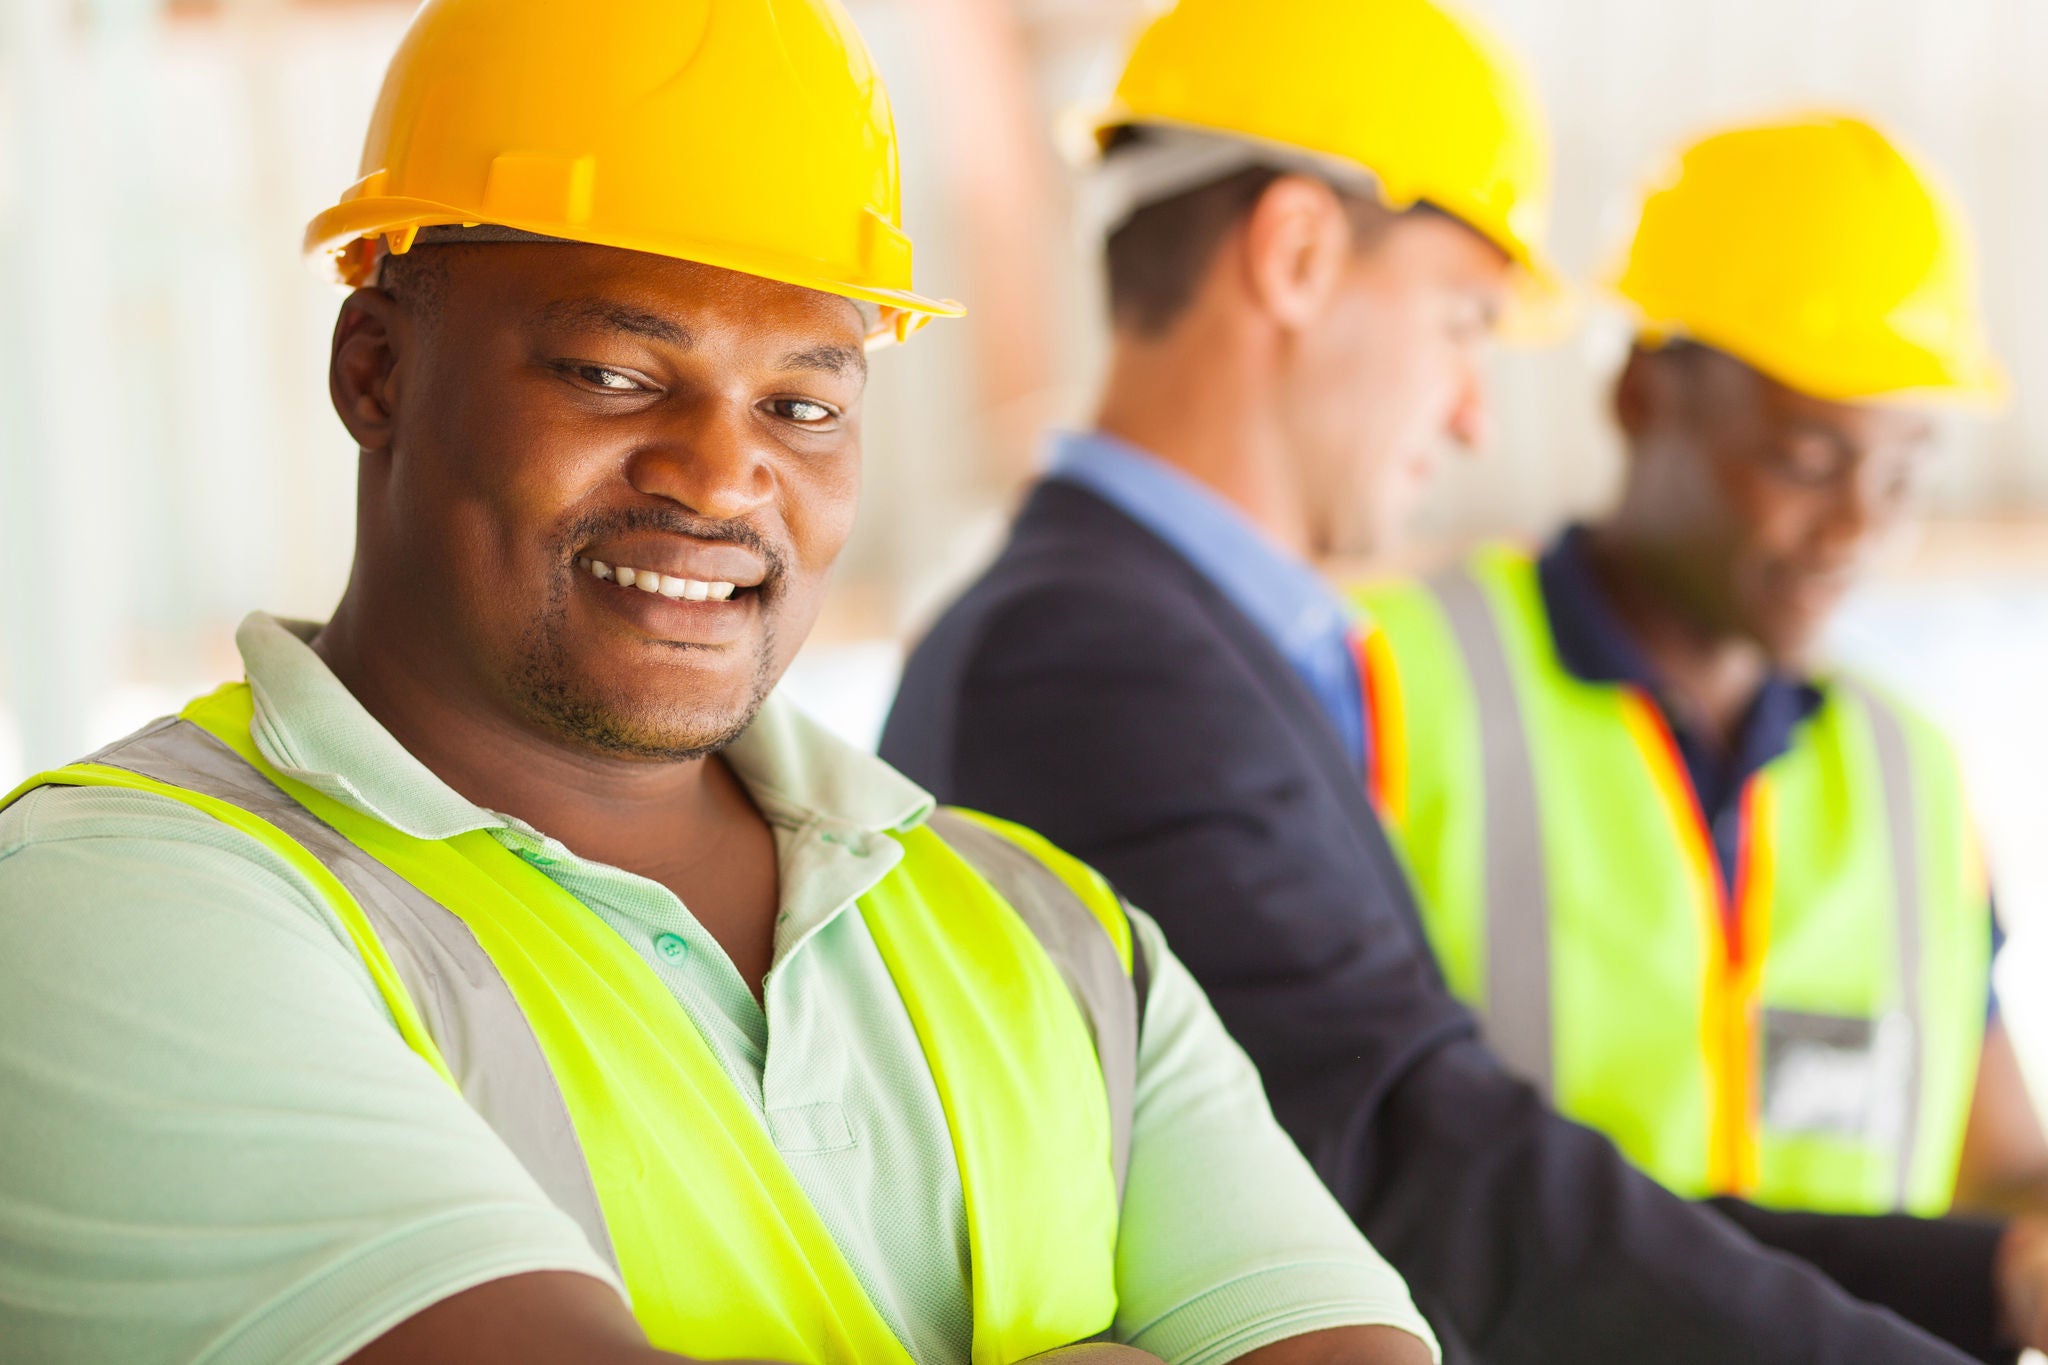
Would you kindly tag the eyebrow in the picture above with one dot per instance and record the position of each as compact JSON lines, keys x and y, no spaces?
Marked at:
{"x":840,"y":360}
{"x":615,"y":317}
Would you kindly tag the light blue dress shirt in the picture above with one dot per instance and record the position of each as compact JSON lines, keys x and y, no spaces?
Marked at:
{"x":1286,"y":599}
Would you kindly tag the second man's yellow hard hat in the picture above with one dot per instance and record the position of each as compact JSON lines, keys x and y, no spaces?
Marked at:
{"x":1814,"y":249}
{"x":756,"y":137}
{"x":1425,"y":100}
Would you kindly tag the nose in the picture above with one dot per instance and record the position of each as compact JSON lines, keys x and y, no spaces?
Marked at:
{"x":713,"y":461}
{"x":1470,"y":421}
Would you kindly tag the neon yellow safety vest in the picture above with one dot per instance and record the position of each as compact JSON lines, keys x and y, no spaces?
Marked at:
{"x":1014,"y":963}
{"x":1805,"y":1039}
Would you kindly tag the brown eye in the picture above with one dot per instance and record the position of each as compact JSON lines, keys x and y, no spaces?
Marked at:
{"x":605,"y":379}
{"x":1811,"y":460}
{"x":801,"y":410}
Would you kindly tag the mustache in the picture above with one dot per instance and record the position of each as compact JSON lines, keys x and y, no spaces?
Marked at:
{"x":676,"y":522}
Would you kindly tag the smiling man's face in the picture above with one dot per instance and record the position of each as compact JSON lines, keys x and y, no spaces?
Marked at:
{"x":610,"y":487}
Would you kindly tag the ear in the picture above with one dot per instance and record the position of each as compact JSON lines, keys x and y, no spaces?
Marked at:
{"x":1296,"y":242}
{"x":362,"y":370}
{"x":1642,"y":392}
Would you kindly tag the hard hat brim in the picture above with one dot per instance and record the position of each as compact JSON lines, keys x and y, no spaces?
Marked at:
{"x":1542,"y":307}
{"x":1978,"y":387}
{"x":331,"y":232}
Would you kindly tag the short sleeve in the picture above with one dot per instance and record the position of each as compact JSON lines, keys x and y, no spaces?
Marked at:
{"x":1228,"y":1240}
{"x":214,"y":1145}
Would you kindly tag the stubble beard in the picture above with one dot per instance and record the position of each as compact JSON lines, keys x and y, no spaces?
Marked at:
{"x":548,"y":687}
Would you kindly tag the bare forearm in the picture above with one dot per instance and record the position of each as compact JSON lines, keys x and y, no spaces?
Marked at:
{"x":1344,"y":1346}
{"x":547,"y":1318}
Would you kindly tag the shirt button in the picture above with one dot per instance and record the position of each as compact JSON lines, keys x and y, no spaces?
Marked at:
{"x":535,"y":856}
{"x":672,"y":947}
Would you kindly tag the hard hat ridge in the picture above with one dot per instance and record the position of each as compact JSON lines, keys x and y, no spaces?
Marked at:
{"x":755,"y":137}
{"x":1411,"y":93}
{"x":1818,"y":250}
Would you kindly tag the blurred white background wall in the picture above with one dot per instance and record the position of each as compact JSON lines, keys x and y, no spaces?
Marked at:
{"x":168,"y":459}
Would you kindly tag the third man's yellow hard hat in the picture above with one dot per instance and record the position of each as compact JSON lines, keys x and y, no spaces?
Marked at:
{"x":752,"y":136}
{"x":1817,"y":251}
{"x":1421,"y":97}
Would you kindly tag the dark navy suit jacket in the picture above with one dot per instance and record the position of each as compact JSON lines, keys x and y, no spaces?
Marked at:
{"x":1093,"y":685}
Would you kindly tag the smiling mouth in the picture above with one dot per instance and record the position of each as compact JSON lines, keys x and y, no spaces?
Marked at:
{"x":665,"y":585}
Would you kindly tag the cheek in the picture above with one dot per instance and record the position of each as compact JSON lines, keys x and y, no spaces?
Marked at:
{"x":822,"y":501}
{"x":499,"y":457}
{"x":1774,"y":522}
{"x":1411,"y":369}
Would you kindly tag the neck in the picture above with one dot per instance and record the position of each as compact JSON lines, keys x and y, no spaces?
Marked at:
{"x":1711,"y":675}
{"x":689,"y":826}
{"x":1193,"y":400}
{"x":603,"y":807}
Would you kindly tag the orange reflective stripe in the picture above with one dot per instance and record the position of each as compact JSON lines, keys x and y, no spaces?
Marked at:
{"x":1737,"y":927}
{"x":1386,"y":726}
{"x":1734,"y":1162}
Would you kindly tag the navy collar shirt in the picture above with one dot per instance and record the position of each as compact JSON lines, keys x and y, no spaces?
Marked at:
{"x":1594,"y":646}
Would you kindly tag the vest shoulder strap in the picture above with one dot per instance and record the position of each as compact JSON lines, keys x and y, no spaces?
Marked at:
{"x":1085,"y":928}
{"x":1517,"y":896}
{"x":424,"y":959}
{"x":1890,"y":732}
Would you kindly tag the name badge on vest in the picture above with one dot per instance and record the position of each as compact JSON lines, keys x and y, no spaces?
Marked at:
{"x":1828,"y":1074}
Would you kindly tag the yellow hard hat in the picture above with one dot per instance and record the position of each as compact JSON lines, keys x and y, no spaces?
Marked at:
{"x":1424,"y":99}
{"x":738,"y":133}
{"x":1816,"y":251}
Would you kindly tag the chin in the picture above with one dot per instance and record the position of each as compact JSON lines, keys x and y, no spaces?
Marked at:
{"x":668,"y":725}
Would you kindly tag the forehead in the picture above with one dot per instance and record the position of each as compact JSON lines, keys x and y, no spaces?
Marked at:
{"x":1732,"y":388}
{"x":1860,"y":423}
{"x":1428,"y":233}
{"x":572,"y":286}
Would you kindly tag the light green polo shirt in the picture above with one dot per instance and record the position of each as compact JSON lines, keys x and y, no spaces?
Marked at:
{"x":214,"y":1145}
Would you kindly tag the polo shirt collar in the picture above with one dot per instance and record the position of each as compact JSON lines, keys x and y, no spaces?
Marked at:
{"x":312,"y":728}
{"x":1595,"y":646}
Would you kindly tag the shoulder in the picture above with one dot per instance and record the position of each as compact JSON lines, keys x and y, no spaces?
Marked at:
{"x":203,"y":1039}
{"x":1078,"y":613}
{"x":76,"y":857}
{"x":1073,"y":559}
{"x":1036,"y":874}
{"x":1890,"y":715}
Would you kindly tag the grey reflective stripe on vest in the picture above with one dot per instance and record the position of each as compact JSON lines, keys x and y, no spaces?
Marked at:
{"x":1902,"y":822}
{"x":1517,"y":1009}
{"x":1076,"y":942}
{"x":484,"y":1036}
{"x":465,"y":1003}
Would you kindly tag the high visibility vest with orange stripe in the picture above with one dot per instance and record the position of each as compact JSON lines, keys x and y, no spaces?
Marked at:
{"x":1805,"y":1035}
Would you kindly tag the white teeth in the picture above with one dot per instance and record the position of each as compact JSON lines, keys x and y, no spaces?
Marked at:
{"x":676,"y":589}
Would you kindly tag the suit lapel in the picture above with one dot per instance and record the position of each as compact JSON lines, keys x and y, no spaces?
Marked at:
{"x":1321,"y":747}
